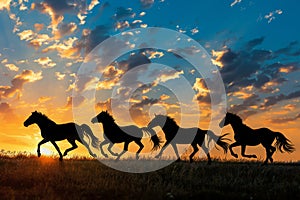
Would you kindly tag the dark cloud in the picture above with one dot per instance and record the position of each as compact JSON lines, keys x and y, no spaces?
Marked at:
{"x":96,"y":36}
{"x":122,"y":13}
{"x":255,"y":42}
{"x":66,"y":29}
{"x":252,"y":100}
{"x":272,"y":100}
{"x":285,"y":119}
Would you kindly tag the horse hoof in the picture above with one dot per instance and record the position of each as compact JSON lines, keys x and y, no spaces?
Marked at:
{"x":60,"y":159}
{"x":235,"y":155}
{"x":253,"y":156}
{"x":39,"y":154}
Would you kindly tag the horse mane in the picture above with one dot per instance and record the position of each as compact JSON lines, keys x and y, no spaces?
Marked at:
{"x":45,"y":118}
{"x":236,"y":117}
{"x":108,"y":116}
{"x":171,"y":121}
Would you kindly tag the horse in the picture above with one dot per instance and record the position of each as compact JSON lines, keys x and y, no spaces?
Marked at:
{"x":52,"y":132}
{"x":193,"y":136}
{"x":244,"y":135}
{"x":115,"y":134}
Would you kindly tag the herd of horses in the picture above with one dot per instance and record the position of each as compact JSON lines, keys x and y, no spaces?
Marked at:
{"x":113,"y":133}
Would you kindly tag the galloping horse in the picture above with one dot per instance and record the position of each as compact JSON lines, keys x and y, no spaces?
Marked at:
{"x":244,"y":135}
{"x":193,"y":136}
{"x":115,"y":134}
{"x":52,"y":132}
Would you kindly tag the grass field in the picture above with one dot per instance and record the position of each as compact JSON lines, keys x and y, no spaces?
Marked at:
{"x":29,"y":177}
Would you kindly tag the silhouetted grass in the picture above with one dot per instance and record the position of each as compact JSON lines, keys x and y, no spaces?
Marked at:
{"x":29,"y":177}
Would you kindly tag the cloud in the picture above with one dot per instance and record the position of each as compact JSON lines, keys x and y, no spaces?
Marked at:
{"x":5,"y":4}
{"x":59,"y":76}
{"x":7,"y":113}
{"x":44,"y":99}
{"x":69,"y":48}
{"x":122,"y":13}
{"x":255,"y":42}
{"x":38,"y":27}
{"x":26,"y":35}
{"x":235,"y":2}
{"x":46,"y":62}
{"x":12,"y":67}
{"x":272,"y":100}
{"x":146,"y":3}
{"x":96,"y":36}
{"x":285,"y":119}
{"x":17,"y":83}
{"x":74,"y":101}
{"x":65,"y":29}
{"x":272,"y":15}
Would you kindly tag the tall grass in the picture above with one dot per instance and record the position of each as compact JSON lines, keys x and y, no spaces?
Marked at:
{"x":29,"y":177}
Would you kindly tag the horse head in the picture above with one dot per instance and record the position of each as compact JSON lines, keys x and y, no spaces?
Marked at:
{"x":101,"y":117}
{"x":229,"y":119}
{"x":33,"y":118}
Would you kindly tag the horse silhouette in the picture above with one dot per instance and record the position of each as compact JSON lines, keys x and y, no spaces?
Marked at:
{"x":115,"y":134}
{"x":193,"y":136}
{"x":244,"y":135}
{"x":52,"y":132}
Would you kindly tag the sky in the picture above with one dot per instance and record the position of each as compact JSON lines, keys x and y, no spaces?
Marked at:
{"x":254,"y":45}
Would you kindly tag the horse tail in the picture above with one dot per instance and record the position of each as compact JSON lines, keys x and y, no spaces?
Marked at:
{"x":89,"y":133}
{"x":154,"y":138}
{"x":283,"y":144}
{"x":219,"y":140}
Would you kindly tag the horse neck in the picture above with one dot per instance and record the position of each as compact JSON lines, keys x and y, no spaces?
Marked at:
{"x":45,"y":123}
{"x":170,"y":128}
{"x":109,"y":125}
{"x":237,"y":126}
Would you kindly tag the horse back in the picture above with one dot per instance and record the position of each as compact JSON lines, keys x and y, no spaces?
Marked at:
{"x":64,"y":131}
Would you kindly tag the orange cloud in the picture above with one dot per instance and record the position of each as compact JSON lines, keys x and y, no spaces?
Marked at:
{"x":5,"y":4}
{"x":12,"y":67}
{"x":46,"y":62}
{"x":38,"y":27}
{"x":27,"y":76}
{"x":217,"y":55}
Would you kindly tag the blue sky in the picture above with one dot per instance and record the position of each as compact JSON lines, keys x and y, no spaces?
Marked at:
{"x":254,"y":44}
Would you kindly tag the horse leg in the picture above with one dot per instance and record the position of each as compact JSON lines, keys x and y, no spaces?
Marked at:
{"x":39,"y":146}
{"x":138,"y":142}
{"x":267,"y":155}
{"x":74,"y":146}
{"x":272,"y":150}
{"x":124,"y":150}
{"x":58,"y":150}
{"x":235,"y":144}
{"x":205,"y":149}
{"x":195,"y":150}
{"x":110,"y":151}
{"x":101,"y":148}
{"x":243,"y":149}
